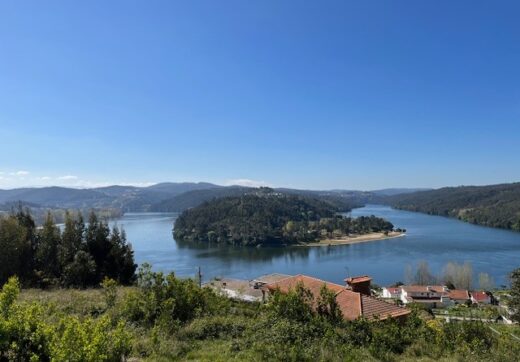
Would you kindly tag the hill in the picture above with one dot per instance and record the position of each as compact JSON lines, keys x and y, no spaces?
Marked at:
{"x":397,"y":191}
{"x":124,"y":198}
{"x":268,"y":217}
{"x":194,"y":198}
{"x":494,"y":205}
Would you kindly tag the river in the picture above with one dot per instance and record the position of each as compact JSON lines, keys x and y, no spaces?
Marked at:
{"x":434,"y":239}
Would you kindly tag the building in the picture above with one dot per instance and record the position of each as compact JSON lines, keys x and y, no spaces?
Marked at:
{"x":391,"y":293}
{"x":481,"y":297}
{"x":459,"y":296}
{"x":354,"y":299}
{"x":431,"y":296}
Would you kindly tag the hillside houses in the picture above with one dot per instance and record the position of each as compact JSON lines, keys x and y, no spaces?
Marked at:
{"x":434,"y":296}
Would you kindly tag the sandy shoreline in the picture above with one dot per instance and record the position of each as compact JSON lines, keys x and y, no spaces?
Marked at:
{"x":356,"y":239}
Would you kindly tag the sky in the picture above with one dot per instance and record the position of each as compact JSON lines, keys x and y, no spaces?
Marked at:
{"x":305,"y":94}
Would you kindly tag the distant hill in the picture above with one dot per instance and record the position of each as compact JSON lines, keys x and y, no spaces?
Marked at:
{"x":56,"y":196}
{"x":268,"y":217}
{"x":125,"y":198}
{"x":196,"y":197}
{"x":494,"y":205}
{"x":168,"y":196}
{"x":397,"y":191}
{"x":177,"y":188}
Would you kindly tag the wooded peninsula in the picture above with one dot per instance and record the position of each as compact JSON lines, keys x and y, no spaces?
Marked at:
{"x":272,"y":218}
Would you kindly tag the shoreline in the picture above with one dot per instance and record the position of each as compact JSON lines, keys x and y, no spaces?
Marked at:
{"x":355,"y":239}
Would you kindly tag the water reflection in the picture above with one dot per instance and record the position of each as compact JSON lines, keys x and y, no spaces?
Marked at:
{"x":435,"y":239}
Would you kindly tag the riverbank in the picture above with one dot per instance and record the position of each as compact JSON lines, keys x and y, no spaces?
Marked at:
{"x":357,"y":239}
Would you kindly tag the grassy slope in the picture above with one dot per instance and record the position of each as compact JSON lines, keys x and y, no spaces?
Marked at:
{"x":154,"y":345}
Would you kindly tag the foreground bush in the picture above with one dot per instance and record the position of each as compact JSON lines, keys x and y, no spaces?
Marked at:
{"x":167,"y":318}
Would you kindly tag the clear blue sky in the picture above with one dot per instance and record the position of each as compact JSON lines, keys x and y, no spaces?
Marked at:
{"x":323,"y":94}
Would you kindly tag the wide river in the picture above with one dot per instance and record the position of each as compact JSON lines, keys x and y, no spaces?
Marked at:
{"x":434,"y":239}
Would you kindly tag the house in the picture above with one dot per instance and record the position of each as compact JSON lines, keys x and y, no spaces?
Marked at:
{"x":459,"y":296}
{"x":431,"y":296}
{"x":354,"y":299}
{"x":481,"y":297}
{"x":391,"y":293}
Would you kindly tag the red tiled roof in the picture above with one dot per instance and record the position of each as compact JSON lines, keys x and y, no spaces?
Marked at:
{"x":313,"y":284}
{"x":360,"y":279}
{"x":373,"y":308}
{"x":480,"y":296}
{"x":458,"y":294}
{"x":352,"y":304}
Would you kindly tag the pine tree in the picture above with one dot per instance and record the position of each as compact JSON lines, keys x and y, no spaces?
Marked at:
{"x":97,"y":243}
{"x":48,"y":246}
{"x":72,"y":238}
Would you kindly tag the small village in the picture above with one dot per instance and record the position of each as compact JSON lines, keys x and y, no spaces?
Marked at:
{"x":359,"y":298}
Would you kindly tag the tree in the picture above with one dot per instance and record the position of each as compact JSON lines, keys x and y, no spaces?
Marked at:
{"x":81,"y":272}
{"x":97,"y":243}
{"x":72,"y":237}
{"x":458,"y":276}
{"x":423,"y":276}
{"x":514,"y":303}
{"x":49,"y":243}
{"x":12,"y":244}
{"x":327,"y":306}
{"x":485,"y":282}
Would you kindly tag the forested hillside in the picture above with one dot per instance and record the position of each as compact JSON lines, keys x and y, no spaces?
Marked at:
{"x":495,"y":205}
{"x":269,"y":217}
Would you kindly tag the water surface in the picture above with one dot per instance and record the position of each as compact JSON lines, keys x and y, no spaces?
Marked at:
{"x":435,"y":239}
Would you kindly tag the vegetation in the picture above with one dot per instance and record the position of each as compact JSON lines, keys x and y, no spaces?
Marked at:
{"x":167,"y":318}
{"x":495,"y":205}
{"x":268,"y":217}
{"x":78,"y":256}
{"x":163,"y":197}
{"x":514,"y":300}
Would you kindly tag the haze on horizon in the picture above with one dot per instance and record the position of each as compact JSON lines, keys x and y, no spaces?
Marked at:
{"x":330,"y":95}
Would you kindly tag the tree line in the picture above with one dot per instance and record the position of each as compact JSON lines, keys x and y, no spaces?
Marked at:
{"x":453,"y":275}
{"x":494,"y":205}
{"x":77,"y":255}
{"x":270,"y":218}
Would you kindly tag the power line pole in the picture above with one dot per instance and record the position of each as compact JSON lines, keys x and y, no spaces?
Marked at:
{"x":200,"y":278}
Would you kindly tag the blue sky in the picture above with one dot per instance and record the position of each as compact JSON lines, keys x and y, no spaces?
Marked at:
{"x":328,"y":94}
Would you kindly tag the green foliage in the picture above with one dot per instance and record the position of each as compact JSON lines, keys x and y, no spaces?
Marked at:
{"x":109,"y":291}
{"x":9,"y":293}
{"x":295,"y":305}
{"x":166,"y":318}
{"x":76,"y":257}
{"x":327,"y":306}
{"x":90,"y":340}
{"x":13,"y":243}
{"x":514,"y":302}
{"x":169,"y":300}
{"x":269,"y":218}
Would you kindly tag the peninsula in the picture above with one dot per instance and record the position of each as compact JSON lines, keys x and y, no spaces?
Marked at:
{"x":267,"y":217}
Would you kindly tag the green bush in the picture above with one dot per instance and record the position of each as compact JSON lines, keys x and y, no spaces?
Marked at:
{"x":90,"y":340}
{"x":215,"y":327}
